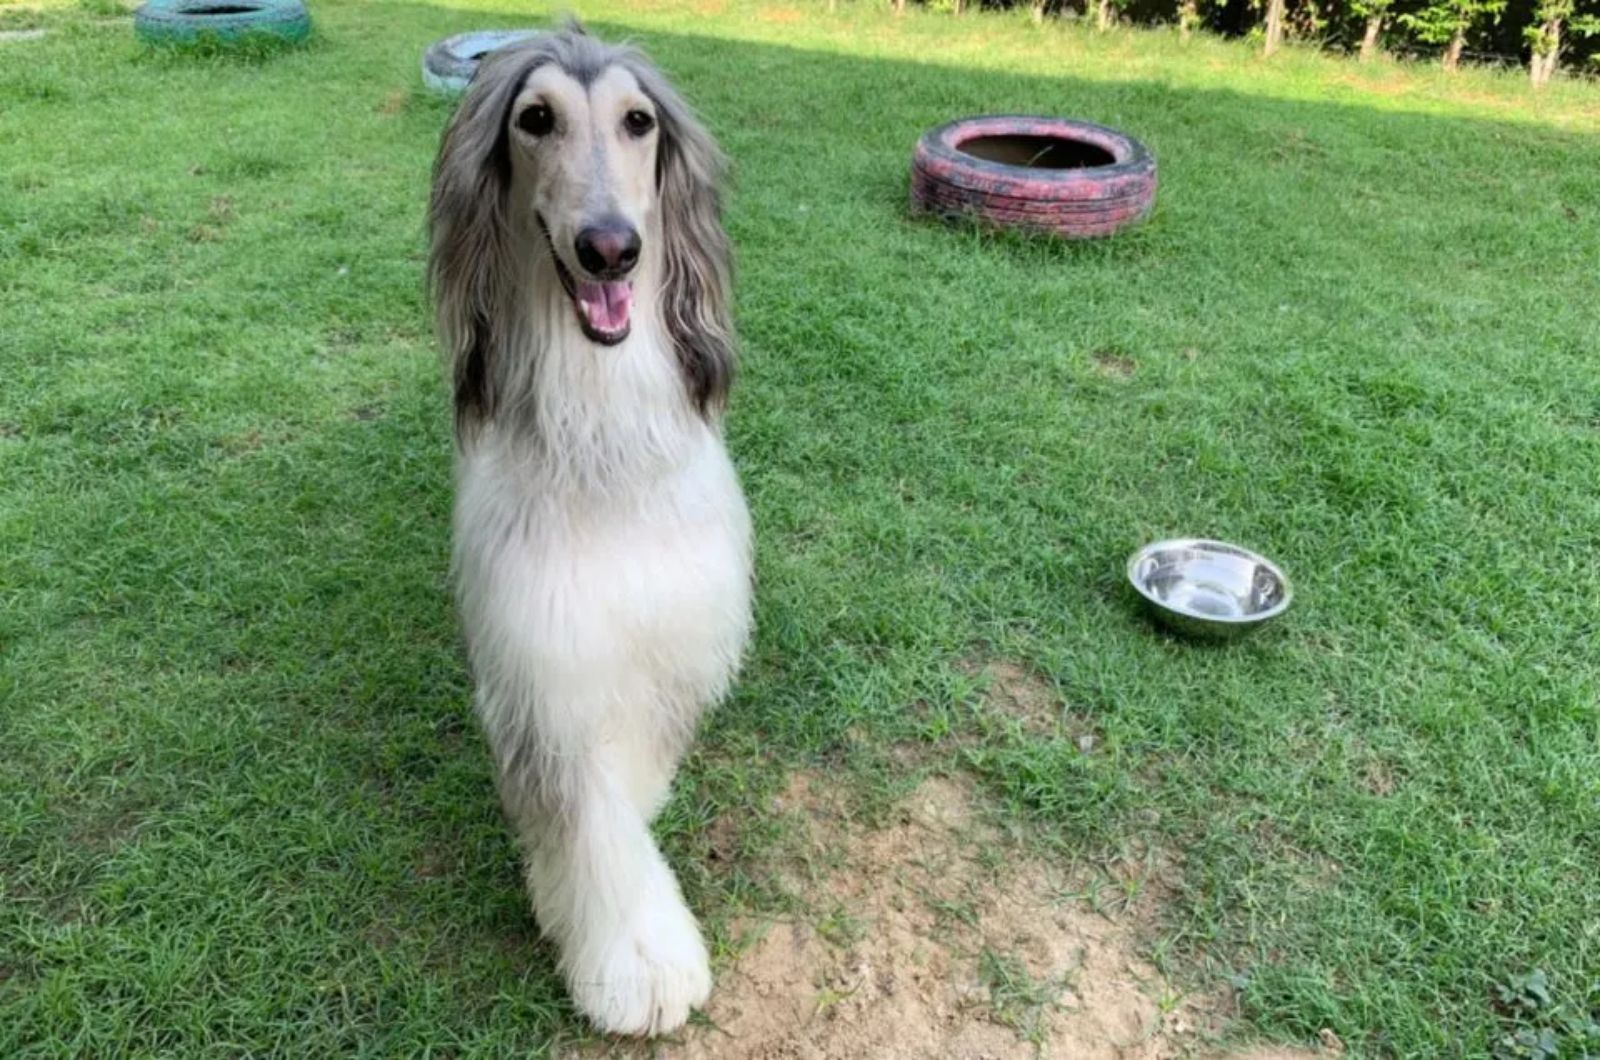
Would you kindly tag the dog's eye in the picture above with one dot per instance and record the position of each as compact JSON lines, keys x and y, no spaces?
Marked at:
{"x":537,"y":120}
{"x":638,"y":122}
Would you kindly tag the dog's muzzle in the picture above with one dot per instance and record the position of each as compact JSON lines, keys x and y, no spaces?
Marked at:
{"x":604,"y":305}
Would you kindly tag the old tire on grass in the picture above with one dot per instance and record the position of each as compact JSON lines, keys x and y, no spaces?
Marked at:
{"x":1070,"y":178}
{"x":448,"y":65}
{"x":189,"y":21}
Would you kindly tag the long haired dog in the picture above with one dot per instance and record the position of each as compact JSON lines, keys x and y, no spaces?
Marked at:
{"x":602,"y":545}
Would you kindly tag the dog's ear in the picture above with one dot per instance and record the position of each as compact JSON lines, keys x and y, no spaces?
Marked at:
{"x":470,"y":255}
{"x":697,"y":284}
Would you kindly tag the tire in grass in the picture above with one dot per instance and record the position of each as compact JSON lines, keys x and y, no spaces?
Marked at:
{"x":448,"y":65}
{"x":223,"y":21}
{"x":1072,"y":179}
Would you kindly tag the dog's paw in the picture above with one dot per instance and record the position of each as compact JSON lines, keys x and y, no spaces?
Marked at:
{"x":647,"y":977}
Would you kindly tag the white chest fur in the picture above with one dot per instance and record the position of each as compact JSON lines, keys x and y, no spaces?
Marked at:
{"x":603,"y":560}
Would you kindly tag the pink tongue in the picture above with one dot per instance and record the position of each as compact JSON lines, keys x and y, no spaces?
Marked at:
{"x":605,"y":305}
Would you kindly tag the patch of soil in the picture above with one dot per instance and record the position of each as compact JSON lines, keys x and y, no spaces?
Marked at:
{"x":1114,"y":365}
{"x":1378,"y":779}
{"x":394,"y":102}
{"x":722,"y":838}
{"x":930,"y":937}
{"x":248,"y":442}
{"x":1024,"y":694}
{"x":1018,"y":691}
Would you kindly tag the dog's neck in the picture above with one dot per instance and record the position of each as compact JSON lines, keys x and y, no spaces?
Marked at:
{"x":576,"y":414}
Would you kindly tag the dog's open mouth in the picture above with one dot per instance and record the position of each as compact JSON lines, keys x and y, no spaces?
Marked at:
{"x":604,"y":306}
{"x":603,"y":309}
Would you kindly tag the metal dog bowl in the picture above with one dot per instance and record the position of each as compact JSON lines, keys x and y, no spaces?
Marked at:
{"x":1208,"y":588}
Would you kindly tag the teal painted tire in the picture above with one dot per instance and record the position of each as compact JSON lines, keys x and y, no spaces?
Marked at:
{"x":448,"y":65}
{"x":186,"y":21}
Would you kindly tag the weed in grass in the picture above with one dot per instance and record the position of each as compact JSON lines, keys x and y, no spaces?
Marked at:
{"x":1016,"y":998}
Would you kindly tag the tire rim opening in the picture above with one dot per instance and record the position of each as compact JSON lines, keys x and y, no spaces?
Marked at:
{"x":1036,"y":152}
{"x":223,"y":9}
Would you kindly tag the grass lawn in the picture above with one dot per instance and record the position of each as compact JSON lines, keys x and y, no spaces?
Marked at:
{"x":243,"y":806}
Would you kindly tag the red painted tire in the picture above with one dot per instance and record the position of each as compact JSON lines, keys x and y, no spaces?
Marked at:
{"x":1071,"y":178}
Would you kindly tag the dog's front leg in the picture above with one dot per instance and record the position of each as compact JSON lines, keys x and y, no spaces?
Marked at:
{"x":631,"y":952}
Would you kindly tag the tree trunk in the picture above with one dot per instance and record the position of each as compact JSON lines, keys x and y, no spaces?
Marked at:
{"x":899,"y":7}
{"x":1546,"y":53}
{"x":1369,"y":43}
{"x":1452,"y":52}
{"x":1102,"y":18}
{"x":1038,"y":12}
{"x":1274,"y":27}
{"x":1188,"y":18}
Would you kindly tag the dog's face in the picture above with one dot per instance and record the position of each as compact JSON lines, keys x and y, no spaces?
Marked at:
{"x":583,"y":164}
{"x":575,"y":160}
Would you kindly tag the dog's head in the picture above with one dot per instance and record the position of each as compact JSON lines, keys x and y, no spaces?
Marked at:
{"x":567,"y":147}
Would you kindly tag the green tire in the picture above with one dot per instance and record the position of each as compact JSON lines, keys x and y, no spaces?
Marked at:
{"x":186,"y":21}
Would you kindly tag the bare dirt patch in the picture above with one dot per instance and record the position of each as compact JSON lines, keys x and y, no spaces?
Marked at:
{"x":929,"y":935}
{"x":1114,"y":364}
{"x":1018,"y":691}
{"x":1014,"y":690}
{"x":1378,"y":779}
{"x":394,"y":102}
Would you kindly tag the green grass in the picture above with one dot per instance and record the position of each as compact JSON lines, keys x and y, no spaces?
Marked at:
{"x":1016,"y":998}
{"x":243,"y":808}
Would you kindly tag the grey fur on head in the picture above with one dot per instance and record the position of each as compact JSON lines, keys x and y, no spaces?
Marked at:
{"x":472,"y":270}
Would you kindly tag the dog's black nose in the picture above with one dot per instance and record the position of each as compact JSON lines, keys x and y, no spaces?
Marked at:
{"x":608,"y":249}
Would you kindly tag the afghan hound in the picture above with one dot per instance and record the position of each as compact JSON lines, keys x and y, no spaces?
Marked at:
{"x":602,"y":547}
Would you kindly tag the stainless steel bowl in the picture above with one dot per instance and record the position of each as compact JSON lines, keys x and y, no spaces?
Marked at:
{"x":1209,"y":588}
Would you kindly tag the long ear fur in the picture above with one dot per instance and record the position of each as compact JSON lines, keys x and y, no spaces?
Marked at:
{"x":697,"y":285}
{"x":471,"y":265}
